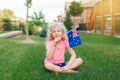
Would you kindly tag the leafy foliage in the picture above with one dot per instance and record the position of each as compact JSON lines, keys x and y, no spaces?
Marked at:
{"x":22,"y":27}
{"x":31,"y":28}
{"x":43,"y":32}
{"x":7,"y":14}
{"x":7,"y":26}
{"x":75,"y":8}
{"x":68,"y":22}
{"x":38,"y":19}
{"x":8,"y":17}
{"x":28,"y":3}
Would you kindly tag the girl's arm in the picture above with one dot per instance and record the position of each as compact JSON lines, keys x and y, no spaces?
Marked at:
{"x":72,"y":58}
{"x":50,"y":52}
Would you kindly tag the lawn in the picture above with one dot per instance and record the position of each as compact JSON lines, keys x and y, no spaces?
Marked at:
{"x":101,"y":56}
{"x":1,"y":32}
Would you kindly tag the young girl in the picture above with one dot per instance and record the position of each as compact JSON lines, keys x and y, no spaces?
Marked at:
{"x":56,"y":46}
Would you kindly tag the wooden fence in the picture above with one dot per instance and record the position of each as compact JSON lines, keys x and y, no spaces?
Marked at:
{"x":106,"y":17}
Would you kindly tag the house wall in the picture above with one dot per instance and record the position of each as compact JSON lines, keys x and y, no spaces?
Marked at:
{"x":108,"y":11}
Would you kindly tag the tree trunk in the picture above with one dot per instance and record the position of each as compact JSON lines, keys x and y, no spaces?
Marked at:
{"x":27,"y":35}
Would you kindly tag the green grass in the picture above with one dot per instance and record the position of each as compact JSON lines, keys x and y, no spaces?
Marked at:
{"x":1,"y":32}
{"x":101,"y":56}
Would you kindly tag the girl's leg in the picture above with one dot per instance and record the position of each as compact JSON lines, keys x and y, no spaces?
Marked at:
{"x":57,"y":69}
{"x":76,"y":63}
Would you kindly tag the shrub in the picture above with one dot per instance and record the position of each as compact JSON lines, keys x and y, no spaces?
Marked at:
{"x":43,"y":32}
{"x":7,"y":26}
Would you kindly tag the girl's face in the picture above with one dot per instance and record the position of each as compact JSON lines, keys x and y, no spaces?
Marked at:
{"x":57,"y":32}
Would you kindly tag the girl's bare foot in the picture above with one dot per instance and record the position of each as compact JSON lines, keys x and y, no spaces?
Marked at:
{"x":69,"y":71}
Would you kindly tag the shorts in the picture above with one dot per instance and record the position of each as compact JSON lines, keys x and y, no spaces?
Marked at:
{"x":61,"y":64}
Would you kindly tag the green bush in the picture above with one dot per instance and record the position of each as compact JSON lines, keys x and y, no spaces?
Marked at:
{"x":31,"y":28}
{"x":7,"y":26}
{"x":43,"y":32}
{"x":15,"y":27}
{"x":22,"y":27}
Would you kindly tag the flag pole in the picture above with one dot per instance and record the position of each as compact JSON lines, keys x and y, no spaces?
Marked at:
{"x":69,"y":31}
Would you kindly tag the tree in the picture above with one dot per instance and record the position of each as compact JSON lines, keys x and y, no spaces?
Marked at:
{"x":38,"y":18}
{"x":8,"y":19}
{"x":8,"y":14}
{"x":75,"y":9}
{"x":38,"y":21}
{"x":28,"y":4}
{"x":68,"y":22}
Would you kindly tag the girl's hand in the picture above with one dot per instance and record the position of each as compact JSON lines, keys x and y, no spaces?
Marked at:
{"x":57,"y":40}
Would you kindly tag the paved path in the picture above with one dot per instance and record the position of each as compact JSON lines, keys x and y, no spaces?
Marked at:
{"x":11,"y":34}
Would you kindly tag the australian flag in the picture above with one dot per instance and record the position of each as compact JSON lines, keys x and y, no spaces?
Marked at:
{"x":74,"y":38}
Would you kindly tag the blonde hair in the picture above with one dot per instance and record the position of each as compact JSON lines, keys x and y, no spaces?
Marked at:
{"x":61,"y":25}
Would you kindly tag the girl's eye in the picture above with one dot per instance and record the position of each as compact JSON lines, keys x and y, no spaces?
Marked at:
{"x":53,"y":31}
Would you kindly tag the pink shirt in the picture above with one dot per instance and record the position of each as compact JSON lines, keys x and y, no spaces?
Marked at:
{"x":58,"y":54}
